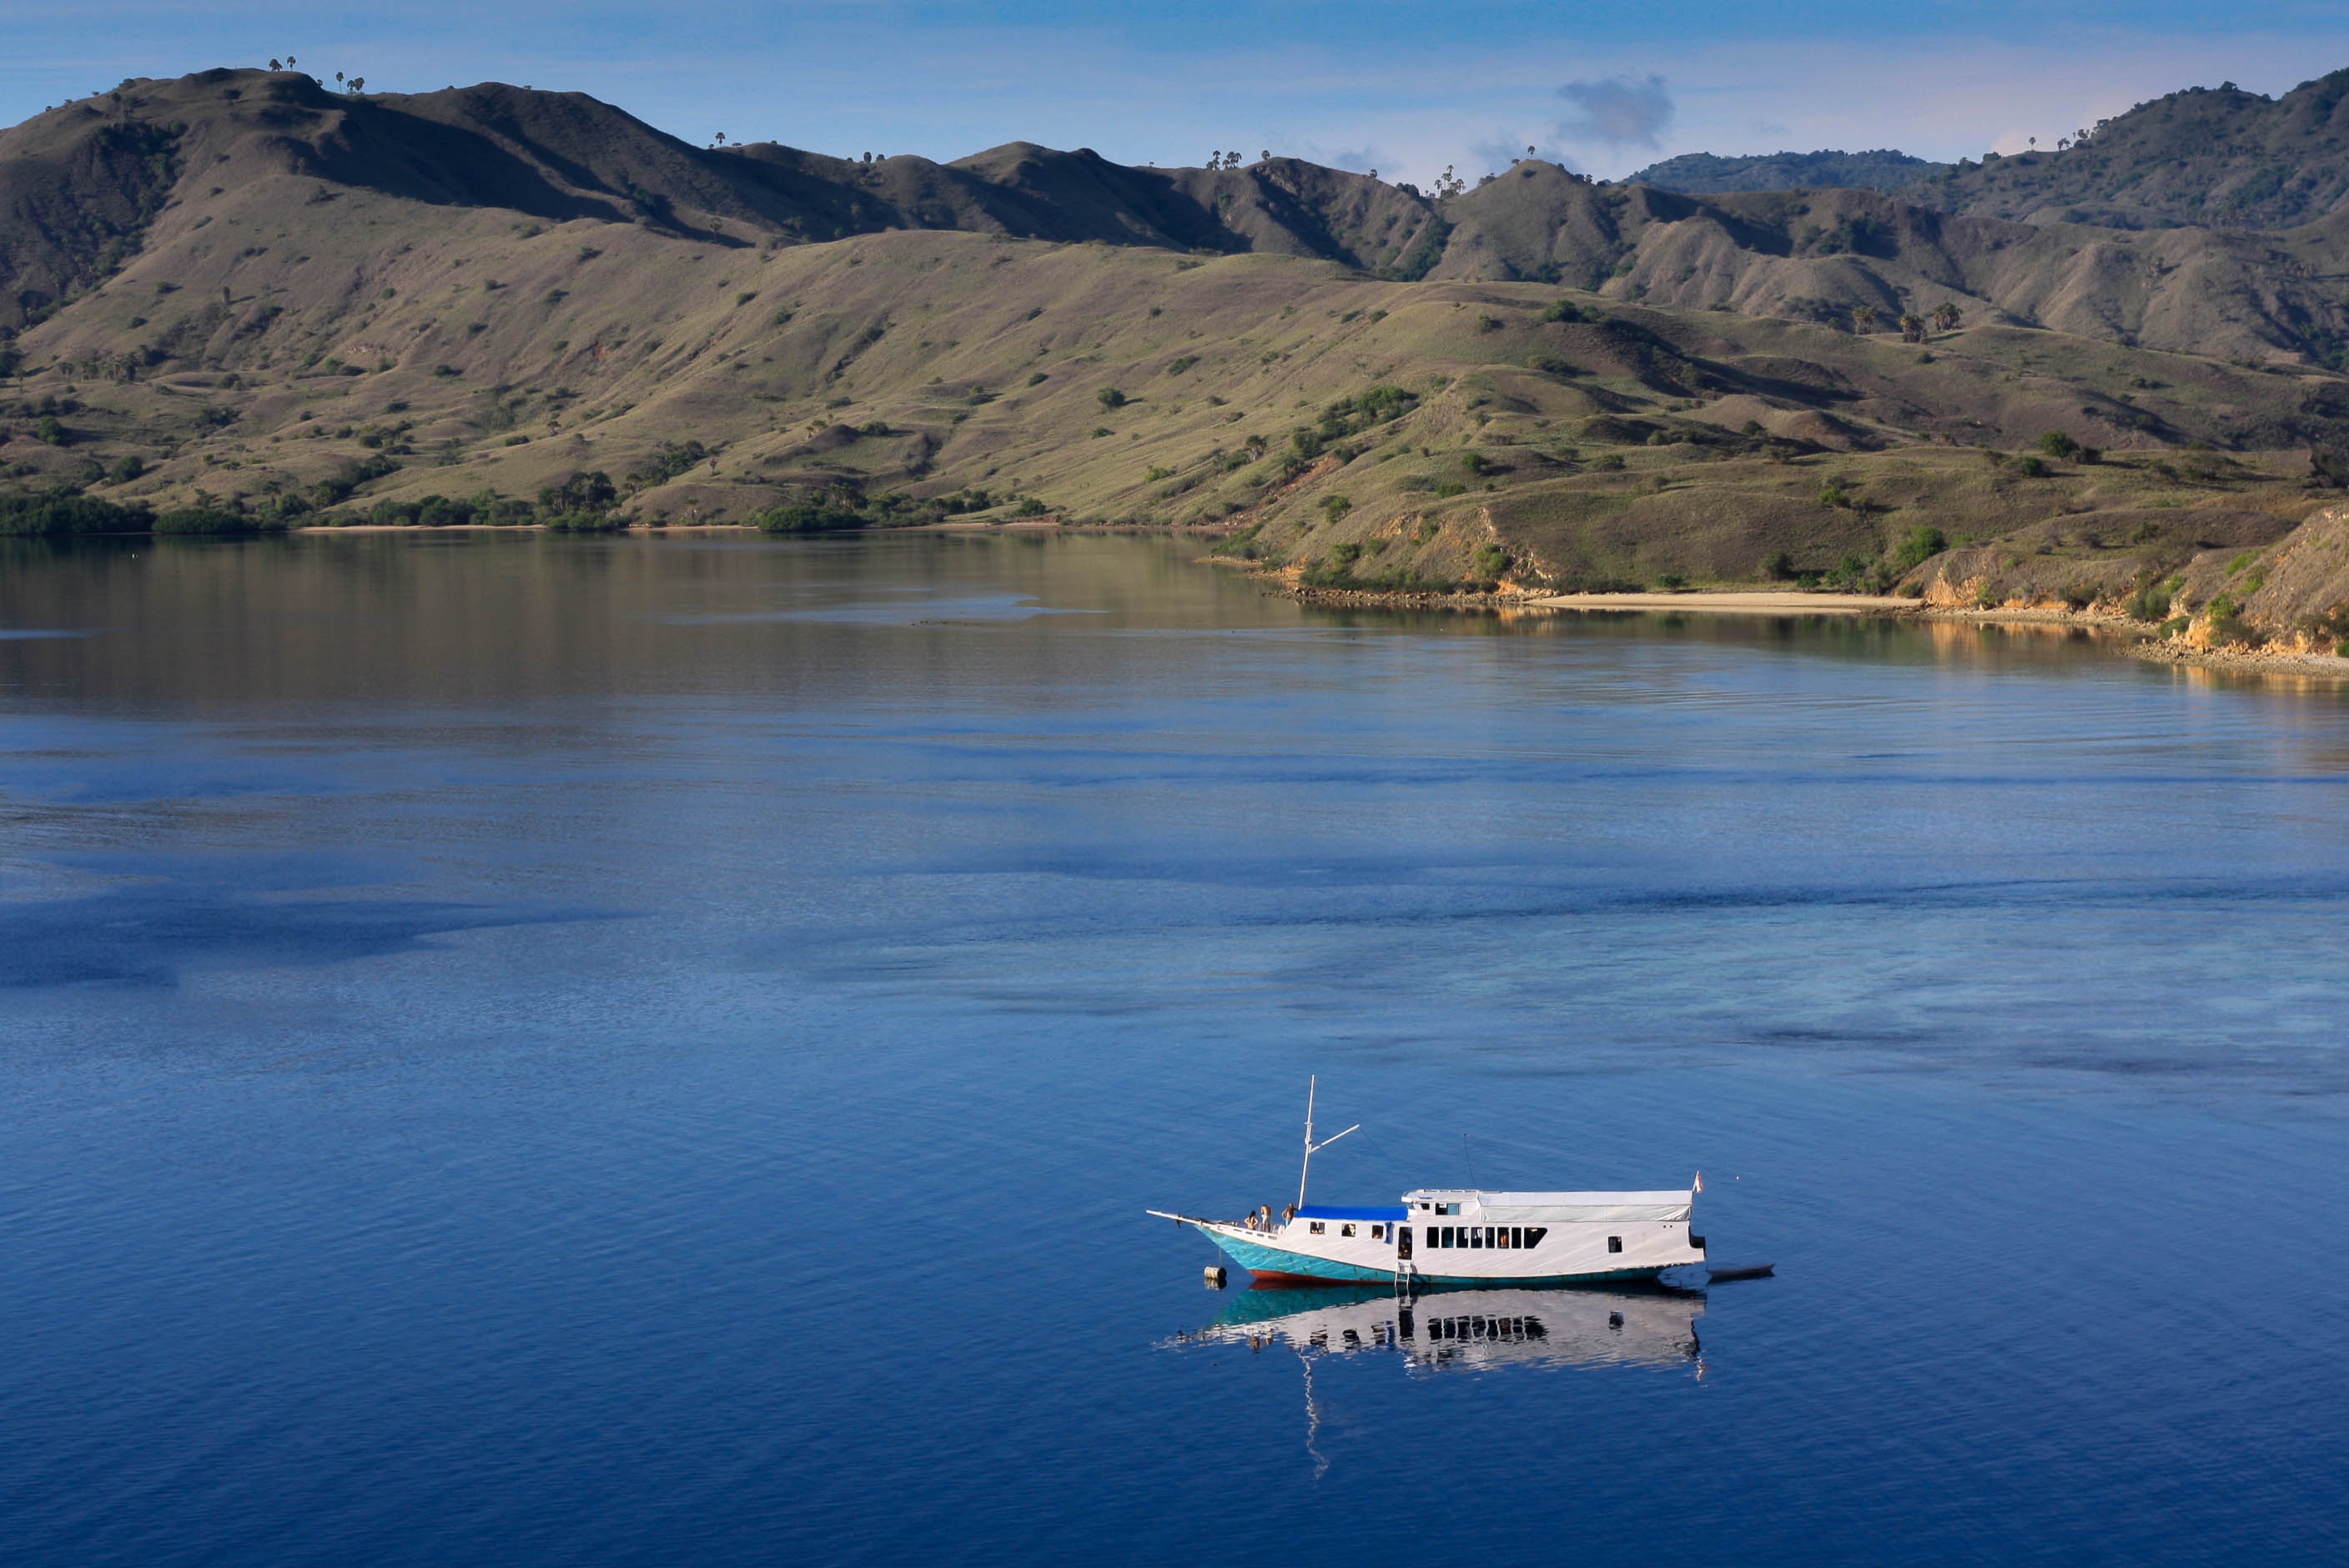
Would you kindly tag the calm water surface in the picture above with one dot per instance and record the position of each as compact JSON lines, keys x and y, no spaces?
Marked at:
{"x":520,"y":1051}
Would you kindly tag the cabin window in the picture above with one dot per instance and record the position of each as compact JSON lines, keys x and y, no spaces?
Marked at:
{"x":1378,"y":1232}
{"x":1313,"y":1228}
{"x":1614,"y":1243}
{"x":1446,"y":1231}
{"x":1533,"y":1234}
{"x":1345,"y":1230}
{"x":1476,"y":1236}
{"x":1504,"y":1237}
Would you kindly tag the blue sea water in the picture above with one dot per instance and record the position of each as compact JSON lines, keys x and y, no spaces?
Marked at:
{"x":525,"y":1050}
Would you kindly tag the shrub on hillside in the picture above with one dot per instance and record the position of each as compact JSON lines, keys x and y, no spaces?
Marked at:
{"x":2228,"y":626}
{"x":63,"y":514}
{"x":1920,"y":546}
{"x":675,"y":457}
{"x":827,"y":515}
{"x":579,"y":491}
{"x":2152,"y":601}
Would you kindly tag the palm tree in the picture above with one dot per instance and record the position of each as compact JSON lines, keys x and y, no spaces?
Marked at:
{"x":1863,"y":317}
{"x":1912,"y":327}
{"x":1946,"y":316}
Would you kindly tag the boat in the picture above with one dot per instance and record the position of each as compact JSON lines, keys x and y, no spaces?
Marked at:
{"x":1437,"y":1237}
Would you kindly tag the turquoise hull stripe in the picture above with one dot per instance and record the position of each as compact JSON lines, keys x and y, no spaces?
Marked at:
{"x":1257,"y":1258}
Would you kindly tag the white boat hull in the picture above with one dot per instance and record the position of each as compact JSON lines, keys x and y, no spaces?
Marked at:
{"x":1445,"y":1239}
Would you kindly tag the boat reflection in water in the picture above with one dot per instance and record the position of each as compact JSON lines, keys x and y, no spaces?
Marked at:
{"x":1476,"y":1330}
{"x":1460,"y":1330}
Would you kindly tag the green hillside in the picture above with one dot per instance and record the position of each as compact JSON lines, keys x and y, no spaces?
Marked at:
{"x":1703,"y":173}
{"x":2205,"y":157}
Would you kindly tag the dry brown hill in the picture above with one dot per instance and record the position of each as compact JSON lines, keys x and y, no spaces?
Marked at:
{"x":77,"y":184}
{"x":1823,"y":255}
{"x":308,"y":308}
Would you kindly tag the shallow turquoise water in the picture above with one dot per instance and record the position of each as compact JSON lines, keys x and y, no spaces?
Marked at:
{"x":523,"y":1049}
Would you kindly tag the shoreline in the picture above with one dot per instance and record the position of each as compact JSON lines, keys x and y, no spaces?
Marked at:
{"x":2140,"y":641}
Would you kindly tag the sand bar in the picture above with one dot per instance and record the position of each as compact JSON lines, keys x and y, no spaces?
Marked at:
{"x":1760,"y":603}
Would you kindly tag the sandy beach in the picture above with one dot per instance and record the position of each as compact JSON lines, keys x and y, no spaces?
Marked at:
{"x":1766,"y":603}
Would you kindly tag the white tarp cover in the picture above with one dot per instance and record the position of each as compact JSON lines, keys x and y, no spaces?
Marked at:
{"x":1583,"y":1208}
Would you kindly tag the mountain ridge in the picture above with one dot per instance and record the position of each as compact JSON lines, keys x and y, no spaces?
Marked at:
{"x":1706,"y":173}
{"x":265,"y":303}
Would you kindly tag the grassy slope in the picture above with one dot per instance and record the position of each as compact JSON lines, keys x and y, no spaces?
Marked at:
{"x":278,"y":328}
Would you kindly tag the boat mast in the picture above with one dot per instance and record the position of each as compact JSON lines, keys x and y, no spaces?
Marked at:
{"x":1311,"y":1147}
{"x":1311,"y":1084}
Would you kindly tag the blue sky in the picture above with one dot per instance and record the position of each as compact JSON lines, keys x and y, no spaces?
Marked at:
{"x":1406,"y":89}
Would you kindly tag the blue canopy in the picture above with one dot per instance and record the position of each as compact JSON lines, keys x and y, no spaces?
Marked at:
{"x":1326,"y":1212}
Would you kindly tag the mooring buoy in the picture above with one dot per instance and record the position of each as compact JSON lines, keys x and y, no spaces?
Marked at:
{"x":1215,"y":1276}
